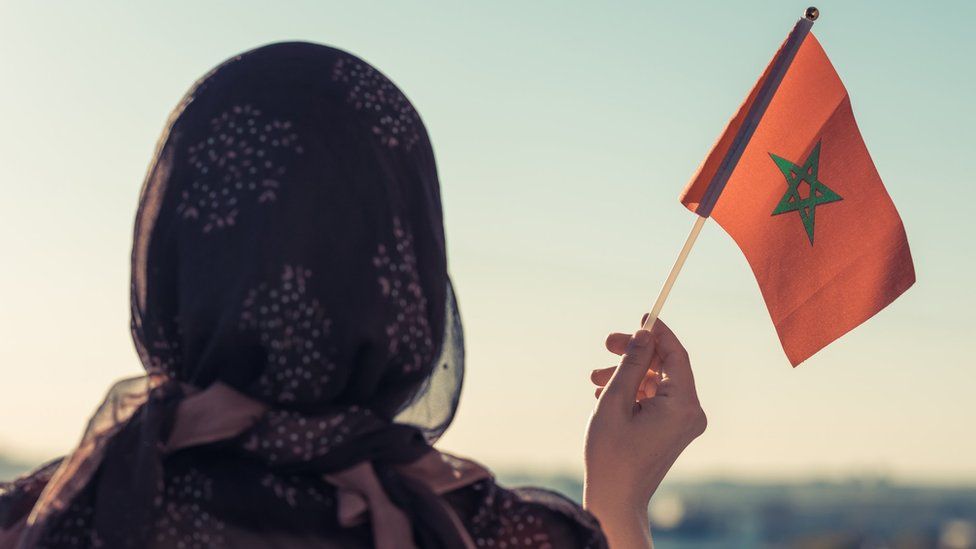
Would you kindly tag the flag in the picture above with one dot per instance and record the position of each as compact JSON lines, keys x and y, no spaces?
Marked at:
{"x":791,"y":181}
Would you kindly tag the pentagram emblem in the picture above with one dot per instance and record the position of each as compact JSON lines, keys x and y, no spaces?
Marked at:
{"x":793,"y":200}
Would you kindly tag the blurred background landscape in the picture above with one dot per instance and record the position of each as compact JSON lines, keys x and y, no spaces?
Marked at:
{"x":564,"y":131}
{"x":853,"y":513}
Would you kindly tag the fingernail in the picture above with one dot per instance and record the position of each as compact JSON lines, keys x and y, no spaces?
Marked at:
{"x":642,"y":338}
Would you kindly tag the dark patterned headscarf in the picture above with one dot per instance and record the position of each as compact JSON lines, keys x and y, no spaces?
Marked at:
{"x":288,"y":249}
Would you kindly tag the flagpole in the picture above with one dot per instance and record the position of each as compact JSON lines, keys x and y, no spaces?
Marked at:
{"x":675,"y":269}
{"x":731,"y":159}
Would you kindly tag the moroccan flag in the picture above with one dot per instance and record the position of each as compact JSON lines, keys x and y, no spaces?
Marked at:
{"x":792,"y":182}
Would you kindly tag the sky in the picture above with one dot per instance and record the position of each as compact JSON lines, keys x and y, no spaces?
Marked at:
{"x":564,"y":132}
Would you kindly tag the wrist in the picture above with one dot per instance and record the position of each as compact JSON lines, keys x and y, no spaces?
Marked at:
{"x":619,"y":503}
{"x":624,"y":524}
{"x":628,"y":494}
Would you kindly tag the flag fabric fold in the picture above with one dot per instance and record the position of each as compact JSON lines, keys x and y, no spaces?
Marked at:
{"x":807,"y":207}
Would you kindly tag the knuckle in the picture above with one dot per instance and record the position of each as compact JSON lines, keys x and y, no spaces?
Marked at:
{"x":697,"y":421}
{"x":693,"y":417}
{"x":632,"y":360}
{"x":625,"y":366}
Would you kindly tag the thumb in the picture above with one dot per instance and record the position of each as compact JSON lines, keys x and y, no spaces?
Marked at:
{"x":623,"y":386}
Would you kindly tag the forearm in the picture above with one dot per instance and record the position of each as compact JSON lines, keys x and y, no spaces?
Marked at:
{"x":623,"y":512}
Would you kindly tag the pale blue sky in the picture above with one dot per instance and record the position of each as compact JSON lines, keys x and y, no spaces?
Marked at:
{"x":564,"y":132}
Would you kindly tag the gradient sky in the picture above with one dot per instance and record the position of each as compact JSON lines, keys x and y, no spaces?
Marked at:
{"x":564,"y":132}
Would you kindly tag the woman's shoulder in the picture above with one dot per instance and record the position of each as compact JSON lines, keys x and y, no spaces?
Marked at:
{"x":524,"y":517}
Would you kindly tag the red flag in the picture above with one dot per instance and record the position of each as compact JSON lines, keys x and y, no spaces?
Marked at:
{"x":803,"y":200}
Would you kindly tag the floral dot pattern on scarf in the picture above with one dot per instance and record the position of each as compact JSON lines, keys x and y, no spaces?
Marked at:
{"x":409,"y":333}
{"x":163,"y":354}
{"x":242,"y":158}
{"x":282,"y":437}
{"x":394,"y":120}
{"x":294,"y":491}
{"x":294,"y":330}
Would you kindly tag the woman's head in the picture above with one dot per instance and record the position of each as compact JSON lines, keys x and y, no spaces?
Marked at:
{"x":289,"y":239}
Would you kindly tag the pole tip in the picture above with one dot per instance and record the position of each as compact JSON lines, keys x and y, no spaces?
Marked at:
{"x":812,"y":13}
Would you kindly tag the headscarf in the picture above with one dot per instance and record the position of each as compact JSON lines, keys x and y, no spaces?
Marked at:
{"x":293,"y":312}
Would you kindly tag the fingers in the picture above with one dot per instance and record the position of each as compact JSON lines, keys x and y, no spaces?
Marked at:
{"x":674,"y":361}
{"x":626,"y":380}
{"x":668,"y":356}
{"x":601,"y":376}
{"x":617,"y":343}
{"x":648,"y":388}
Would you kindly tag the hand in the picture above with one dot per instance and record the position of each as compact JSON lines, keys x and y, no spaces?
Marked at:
{"x":641,"y":424}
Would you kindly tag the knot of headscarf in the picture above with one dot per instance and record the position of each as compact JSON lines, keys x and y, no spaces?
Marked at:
{"x":395,"y":483}
{"x":221,"y":413}
{"x":396,"y":472}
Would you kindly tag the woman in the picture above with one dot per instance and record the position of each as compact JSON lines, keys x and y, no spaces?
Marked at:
{"x":292,"y":309}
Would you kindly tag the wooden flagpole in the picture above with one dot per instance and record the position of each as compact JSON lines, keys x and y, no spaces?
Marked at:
{"x":734,"y":153}
{"x":673,"y":275}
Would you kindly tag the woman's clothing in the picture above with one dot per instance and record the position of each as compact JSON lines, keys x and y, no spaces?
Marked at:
{"x":289,"y":258}
{"x":489,"y":513}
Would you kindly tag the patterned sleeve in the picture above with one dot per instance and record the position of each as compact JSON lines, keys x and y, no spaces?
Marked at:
{"x":524,"y":517}
{"x":571,"y":525}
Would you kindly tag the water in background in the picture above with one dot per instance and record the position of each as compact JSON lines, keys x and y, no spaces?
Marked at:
{"x":854,"y":514}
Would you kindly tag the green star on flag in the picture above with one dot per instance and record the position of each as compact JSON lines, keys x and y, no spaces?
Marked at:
{"x":793,"y":201}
